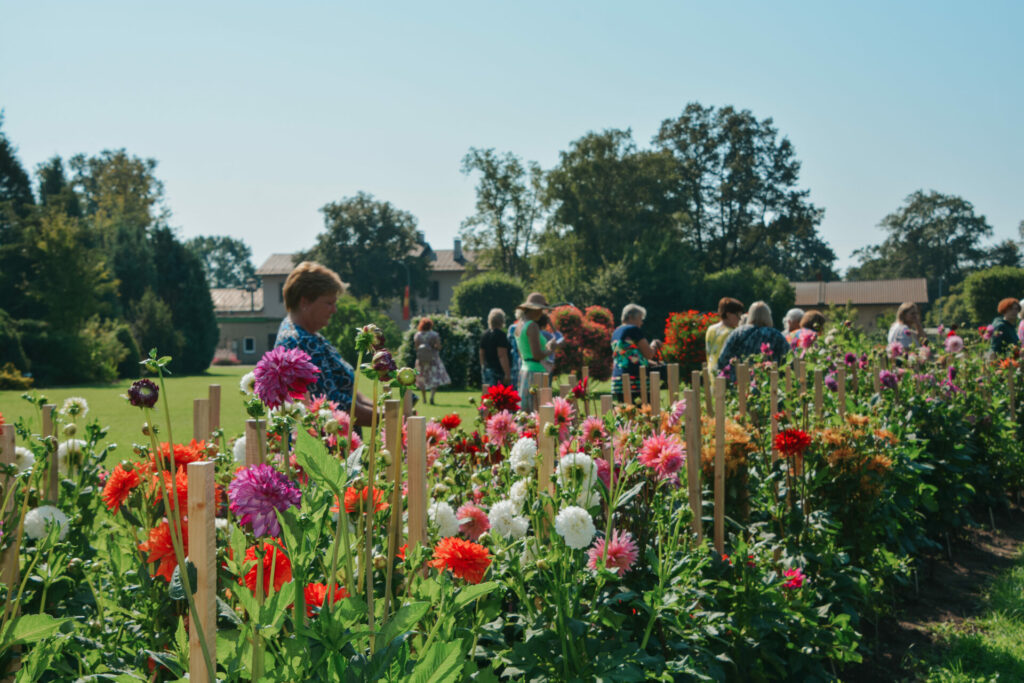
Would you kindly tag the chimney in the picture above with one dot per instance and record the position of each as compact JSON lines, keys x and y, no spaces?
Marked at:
{"x":458,"y":251}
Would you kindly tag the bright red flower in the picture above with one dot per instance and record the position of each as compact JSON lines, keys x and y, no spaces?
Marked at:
{"x":464,"y":559}
{"x":274,"y":562}
{"x":792,"y":442}
{"x":501,"y":398}
{"x":316,"y":593}
{"x":119,"y":486}
{"x":580,"y":390}
{"x":795,"y":578}
{"x":352,"y":498}
{"x":161,"y":549}
{"x":451,"y":421}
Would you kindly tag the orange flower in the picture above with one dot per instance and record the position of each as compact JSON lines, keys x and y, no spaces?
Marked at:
{"x":274,"y":562}
{"x":352,"y":500}
{"x":316,"y":593}
{"x":119,"y":486}
{"x":464,"y":559}
{"x":179,"y":486}
{"x":183,"y":454}
{"x":161,"y":549}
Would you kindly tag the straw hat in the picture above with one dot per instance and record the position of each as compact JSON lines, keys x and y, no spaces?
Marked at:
{"x":535,"y":302}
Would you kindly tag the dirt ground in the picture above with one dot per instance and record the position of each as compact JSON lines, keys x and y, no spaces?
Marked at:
{"x":948,"y":591}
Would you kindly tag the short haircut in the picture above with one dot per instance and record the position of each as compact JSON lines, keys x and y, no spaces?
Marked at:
{"x":425,"y":325}
{"x":905,"y":308}
{"x":496,"y":319}
{"x":629,"y":310}
{"x":793,"y":315}
{"x":1006,"y":304}
{"x":813,"y":320}
{"x":759,"y":315}
{"x":729,"y":305}
{"x":310,"y":280}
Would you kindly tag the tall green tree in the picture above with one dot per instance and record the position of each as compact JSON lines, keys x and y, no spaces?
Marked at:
{"x":508,"y":209}
{"x":226,"y":260}
{"x":371,"y":244}
{"x":933,"y":235}
{"x":16,"y":202}
{"x":736,"y":194}
{"x":55,"y":188}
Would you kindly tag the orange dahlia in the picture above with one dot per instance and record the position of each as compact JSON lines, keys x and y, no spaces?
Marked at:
{"x":316,"y":594}
{"x":353,"y":497}
{"x":464,"y":559}
{"x":119,"y":486}
{"x":274,"y":562}
{"x":176,"y":486}
{"x":161,"y":549}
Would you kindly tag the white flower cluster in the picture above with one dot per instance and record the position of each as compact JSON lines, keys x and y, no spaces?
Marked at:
{"x":442,"y":515}
{"x":238,"y":450}
{"x":576,"y":526}
{"x":523,"y":456}
{"x":68,"y":448}
{"x":75,"y":406}
{"x":517,"y":493}
{"x":37,"y":520}
{"x":248,"y":383}
{"x":580,"y":467}
{"x":505,"y":522}
{"x":23,"y":458}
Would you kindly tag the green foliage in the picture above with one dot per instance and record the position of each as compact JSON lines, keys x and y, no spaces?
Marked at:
{"x":11,"y":349}
{"x":12,"y":378}
{"x":226,"y":261}
{"x":983,"y":290}
{"x":459,"y":340}
{"x":371,"y":245}
{"x":106,"y":353}
{"x":153,"y":325}
{"x":478,"y":295}
{"x":952,"y":310}
{"x":748,"y":285}
{"x":352,"y":314}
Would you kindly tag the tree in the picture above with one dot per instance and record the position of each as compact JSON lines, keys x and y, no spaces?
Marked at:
{"x":16,"y":203}
{"x":933,"y":236}
{"x":734,"y":185}
{"x":153,"y":326}
{"x":372,"y":245}
{"x":478,"y":295}
{"x":226,"y":261}
{"x":352,"y":314}
{"x":507,"y":209}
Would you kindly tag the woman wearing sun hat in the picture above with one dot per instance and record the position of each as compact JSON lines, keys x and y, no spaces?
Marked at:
{"x":532,"y":348}
{"x":1004,"y":336}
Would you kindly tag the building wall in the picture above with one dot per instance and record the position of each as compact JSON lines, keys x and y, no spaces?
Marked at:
{"x":273,"y":297}
{"x":234,"y":331}
{"x":446,"y":281}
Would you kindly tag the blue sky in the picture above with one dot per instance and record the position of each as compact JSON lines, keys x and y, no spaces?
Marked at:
{"x":261,"y":112}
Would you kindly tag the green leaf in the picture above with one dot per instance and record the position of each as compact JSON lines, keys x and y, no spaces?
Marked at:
{"x":442,"y":663}
{"x":628,"y":495}
{"x":312,"y":456}
{"x":177,"y":588}
{"x":403,"y":621}
{"x":181,"y":639}
{"x":32,"y":628}
{"x":470,"y":593}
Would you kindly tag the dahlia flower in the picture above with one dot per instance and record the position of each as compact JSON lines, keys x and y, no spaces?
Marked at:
{"x":954,"y":343}
{"x":274,"y":562}
{"x":523,"y":457}
{"x":316,"y":593}
{"x":574,"y":463}
{"x":119,"y":486}
{"x":500,"y":427}
{"x":517,"y":492}
{"x":161,"y":549}
{"x":888,"y":379}
{"x":473,"y":521}
{"x":663,"y":454}
{"x":795,"y":578}
{"x":247,"y":385}
{"x":143,"y":393}
{"x":791,"y":442}
{"x":23,"y":458}
{"x":442,"y":515}
{"x":283,"y":373}
{"x":75,"y":406}
{"x":621,"y":553}
{"x":594,"y":430}
{"x":504,"y":520}
{"x":464,"y":559}
{"x":575,"y":526}
{"x":238,"y":450}
{"x":256,"y":493}
{"x":37,"y":519}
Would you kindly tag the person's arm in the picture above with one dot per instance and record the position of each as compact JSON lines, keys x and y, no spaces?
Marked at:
{"x":483,"y":359}
{"x":364,"y":411}
{"x":506,"y":367}
{"x":646,"y":349}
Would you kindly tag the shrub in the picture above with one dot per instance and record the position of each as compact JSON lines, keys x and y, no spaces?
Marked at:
{"x":11,"y":378}
{"x":105,"y":352}
{"x":586,"y":342}
{"x":684,"y":339}
{"x":748,"y":285}
{"x":352,"y":314}
{"x":225,"y":357}
{"x":478,"y":295}
{"x":11,"y":350}
{"x":460,"y":338}
{"x":128,"y":368}
{"x":153,"y":326}
{"x":984,"y":288}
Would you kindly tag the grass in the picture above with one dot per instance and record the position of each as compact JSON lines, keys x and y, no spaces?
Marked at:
{"x":989,"y":647}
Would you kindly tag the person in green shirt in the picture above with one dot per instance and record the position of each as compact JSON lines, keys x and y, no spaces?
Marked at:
{"x":729,"y":312}
{"x":532,"y":347}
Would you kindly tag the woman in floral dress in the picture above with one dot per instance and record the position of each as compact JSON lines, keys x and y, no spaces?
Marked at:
{"x":430,"y":369}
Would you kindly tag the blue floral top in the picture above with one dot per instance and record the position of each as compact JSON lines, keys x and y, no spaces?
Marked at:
{"x":336,"y":376}
{"x":746,"y":340}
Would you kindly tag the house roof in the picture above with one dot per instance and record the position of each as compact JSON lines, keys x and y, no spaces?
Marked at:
{"x":230,"y":300}
{"x":277,"y":264}
{"x":861,"y":292}
{"x":446,"y":260}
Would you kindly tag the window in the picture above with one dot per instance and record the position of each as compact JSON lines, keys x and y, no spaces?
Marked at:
{"x":435,"y":290}
{"x":249,"y":345}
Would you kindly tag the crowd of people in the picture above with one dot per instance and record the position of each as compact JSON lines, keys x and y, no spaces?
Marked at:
{"x":510,"y":356}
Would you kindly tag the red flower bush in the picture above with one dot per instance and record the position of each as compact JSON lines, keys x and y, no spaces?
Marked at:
{"x":499,"y":398}
{"x":588,"y":341}
{"x":684,"y":339}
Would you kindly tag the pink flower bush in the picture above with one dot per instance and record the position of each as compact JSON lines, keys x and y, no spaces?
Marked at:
{"x":284,"y":374}
{"x":954,"y":343}
{"x":500,"y":426}
{"x":795,"y":578}
{"x":622,"y":553}
{"x":473,"y":521}
{"x":663,"y":454}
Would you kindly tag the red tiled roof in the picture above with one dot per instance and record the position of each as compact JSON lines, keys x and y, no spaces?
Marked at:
{"x":861,"y":292}
{"x":229,"y":300}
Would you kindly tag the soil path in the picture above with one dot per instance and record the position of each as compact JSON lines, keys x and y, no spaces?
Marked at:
{"x":948,"y":591}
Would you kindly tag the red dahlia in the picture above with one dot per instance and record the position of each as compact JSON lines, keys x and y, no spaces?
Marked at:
{"x":792,"y":442}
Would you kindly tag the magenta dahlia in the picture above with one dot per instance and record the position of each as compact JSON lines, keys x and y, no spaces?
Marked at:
{"x":256,"y":492}
{"x":282,"y":374}
{"x":663,"y":454}
{"x":622,"y":553}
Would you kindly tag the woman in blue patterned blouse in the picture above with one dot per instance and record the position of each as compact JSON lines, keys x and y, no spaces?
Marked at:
{"x":311,"y":296}
{"x":758,"y":336}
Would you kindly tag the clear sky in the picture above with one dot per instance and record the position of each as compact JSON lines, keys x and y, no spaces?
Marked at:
{"x":261,"y":112}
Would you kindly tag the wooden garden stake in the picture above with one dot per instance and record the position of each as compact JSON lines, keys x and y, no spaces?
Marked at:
{"x":565,"y":391}
{"x":545,"y":381}
{"x":802,"y":375}
{"x":537,"y":380}
{"x":393,"y":430}
{"x":819,"y":393}
{"x":720,"y":464}
{"x":654,"y":393}
{"x":788,"y":372}
{"x":875,"y":379}
{"x":773,"y":398}
{"x":673,"y":382}
{"x":841,"y":379}
{"x":547,"y":445}
{"x":708,"y":381}
{"x":416,"y":500}
{"x":9,"y":568}
{"x":214,"y":398}
{"x":1009,"y":389}
{"x":202,"y":551}
{"x":742,"y":386}
{"x":627,"y":388}
{"x":544,"y":396}
{"x":606,"y":404}
{"x":200,"y":419}
{"x":572,"y":379}
{"x":586,"y":373}
{"x":693,"y":448}
{"x":255,"y":441}
{"x":53,"y":472}
{"x":642,"y":386}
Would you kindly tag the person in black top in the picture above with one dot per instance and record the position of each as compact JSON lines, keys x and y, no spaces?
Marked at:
{"x":494,"y":361}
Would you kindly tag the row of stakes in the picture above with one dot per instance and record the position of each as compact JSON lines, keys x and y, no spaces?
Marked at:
{"x":206,"y":420}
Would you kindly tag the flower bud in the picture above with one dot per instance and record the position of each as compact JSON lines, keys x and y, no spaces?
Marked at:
{"x":383,"y":363}
{"x":379,"y":562}
{"x":542,"y":564}
{"x":407,"y":377}
{"x":143,"y":393}
{"x":70,"y":429}
{"x":440,"y":489}
{"x":332,"y":426}
{"x":385,"y":456}
{"x":145,"y":429}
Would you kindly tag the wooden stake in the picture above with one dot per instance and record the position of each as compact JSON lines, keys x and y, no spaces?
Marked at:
{"x":841,"y":379}
{"x":673,"y":382}
{"x":654,"y":393}
{"x":214,"y":398}
{"x":10,"y":570}
{"x":693,"y":449}
{"x":393,"y":431}
{"x":876,"y":381}
{"x":545,"y":381}
{"x":788,"y":375}
{"x":572,"y":379}
{"x":642,"y":386}
{"x":627,"y":388}
{"x":819,"y":394}
{"x":202,"y":551}
{"x":742,"y":385}
{"x":544,"y":396}
{"x":708,"y":381}
{"x":416,"y":500}
{"x":773,"y":406}
{"x":801,"y":371}
{"x":586,"y":372}
{"x":538,"y":379}
{"x":565,"y":391}
{"x":255,"y":442}
{"x":53,"y":472}
{"x":606,"y":404}
{"x":1010,"y":390}
{"x":720,"y":464}
{"x":547,"y":446}
{"x":200,"y":419}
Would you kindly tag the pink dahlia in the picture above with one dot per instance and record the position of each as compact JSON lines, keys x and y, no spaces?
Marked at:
{"x":563,"y":416}
{"x":500,"y":427}
{"x":436,"y":433}
{"x":954,"y":343}
{"x":593,"y":430}
{"x":663,"y":454}
{"x":283,"y":374}
{"x":622,"y":553}
{"x":473,"y":521}
{"x":794,"y":578}
{"x":256,"y":493}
